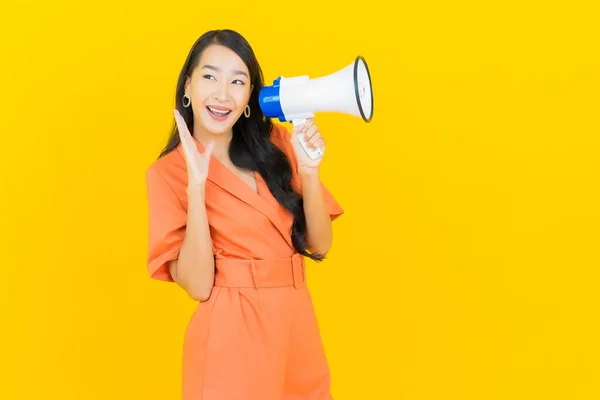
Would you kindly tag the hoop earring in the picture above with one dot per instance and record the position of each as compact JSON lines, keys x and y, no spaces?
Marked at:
{"x":247,"y":111}
{"x":185,"y":96}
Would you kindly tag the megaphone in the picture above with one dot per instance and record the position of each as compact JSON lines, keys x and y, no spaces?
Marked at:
{"x":293,"y":99}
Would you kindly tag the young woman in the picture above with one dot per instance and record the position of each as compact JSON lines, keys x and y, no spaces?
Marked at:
{"x":235,"y":205}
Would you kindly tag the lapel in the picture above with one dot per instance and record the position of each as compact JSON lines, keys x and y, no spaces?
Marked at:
{"x":221,"y":176}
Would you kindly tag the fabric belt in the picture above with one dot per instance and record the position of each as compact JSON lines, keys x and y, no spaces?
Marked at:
{"x":251,"y":273}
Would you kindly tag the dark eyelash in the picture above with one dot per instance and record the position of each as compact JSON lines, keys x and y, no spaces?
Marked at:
{"x":237,"y":80}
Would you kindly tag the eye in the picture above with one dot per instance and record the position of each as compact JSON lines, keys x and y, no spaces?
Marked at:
{"x":239,"y":82}
{"x":208,"y":77}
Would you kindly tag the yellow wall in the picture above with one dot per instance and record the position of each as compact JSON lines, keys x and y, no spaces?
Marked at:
{"x":465,"y":267}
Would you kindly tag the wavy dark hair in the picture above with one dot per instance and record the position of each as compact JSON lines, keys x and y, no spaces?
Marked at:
{"x":251,"y":147}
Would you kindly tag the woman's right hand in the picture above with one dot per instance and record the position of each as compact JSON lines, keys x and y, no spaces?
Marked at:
{"x":197,"y":164}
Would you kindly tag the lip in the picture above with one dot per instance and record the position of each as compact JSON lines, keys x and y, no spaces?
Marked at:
{"x":218,"y":118}
{"x":219,"y":108}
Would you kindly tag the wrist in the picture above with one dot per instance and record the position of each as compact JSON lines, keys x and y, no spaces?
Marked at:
{"x":196,"y":191}
{"x":309,"y":174}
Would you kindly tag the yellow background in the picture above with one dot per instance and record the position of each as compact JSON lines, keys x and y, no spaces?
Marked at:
{"x":466,"y":265}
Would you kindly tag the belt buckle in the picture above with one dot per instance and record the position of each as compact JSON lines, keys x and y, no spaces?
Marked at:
{"x":298,"y":270}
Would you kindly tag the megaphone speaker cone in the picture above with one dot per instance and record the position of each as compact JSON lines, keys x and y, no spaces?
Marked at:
{"x":363,"y":89}
{"x":348,"y":91}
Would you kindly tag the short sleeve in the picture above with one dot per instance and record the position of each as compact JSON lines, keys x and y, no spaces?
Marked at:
{"x":333,"y":207}
{"x":167,"y":220}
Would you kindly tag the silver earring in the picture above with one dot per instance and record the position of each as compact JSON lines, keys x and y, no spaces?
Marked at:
{"x":247,"y":111}
{"x":185,"y":96}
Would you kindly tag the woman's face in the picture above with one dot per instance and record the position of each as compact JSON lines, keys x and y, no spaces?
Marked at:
{"x":219,"y":89}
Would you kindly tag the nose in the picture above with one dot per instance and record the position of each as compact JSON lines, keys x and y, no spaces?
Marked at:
{"x":222,"y":92}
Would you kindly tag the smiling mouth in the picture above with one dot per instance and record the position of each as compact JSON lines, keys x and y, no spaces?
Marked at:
{"x":217,"y":112}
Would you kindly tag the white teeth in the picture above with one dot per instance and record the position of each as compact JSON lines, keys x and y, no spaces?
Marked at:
{"x":219,"y":112}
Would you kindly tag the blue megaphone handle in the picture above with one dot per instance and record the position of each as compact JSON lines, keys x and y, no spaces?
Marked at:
{"x":270,"y":102}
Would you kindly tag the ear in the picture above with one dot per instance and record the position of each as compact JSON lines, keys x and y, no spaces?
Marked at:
{"x":186,"y":87}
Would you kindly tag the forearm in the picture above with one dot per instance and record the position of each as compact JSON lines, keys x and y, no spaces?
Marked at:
{"x":319,"y":233}
{"x":194,"y":270}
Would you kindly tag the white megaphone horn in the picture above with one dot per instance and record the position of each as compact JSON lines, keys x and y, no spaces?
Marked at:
{"x":293,"y":99}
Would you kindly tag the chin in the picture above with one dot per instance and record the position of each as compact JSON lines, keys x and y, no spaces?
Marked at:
{"x":216,"y":129}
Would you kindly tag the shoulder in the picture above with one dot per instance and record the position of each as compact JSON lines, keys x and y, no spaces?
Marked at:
{"x":280,"y":136}
{"x":169,"y":169}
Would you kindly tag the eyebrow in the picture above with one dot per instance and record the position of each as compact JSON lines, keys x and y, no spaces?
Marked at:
{"x":235,"y":71}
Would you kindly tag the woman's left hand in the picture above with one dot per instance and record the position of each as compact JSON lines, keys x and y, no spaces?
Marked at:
{"x":313,"y":137}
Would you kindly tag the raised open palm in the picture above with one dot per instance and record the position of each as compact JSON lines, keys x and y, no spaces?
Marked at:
{"x":197,"y":164}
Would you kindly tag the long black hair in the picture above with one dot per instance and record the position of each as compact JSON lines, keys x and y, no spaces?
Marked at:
{"x":251,"y":147}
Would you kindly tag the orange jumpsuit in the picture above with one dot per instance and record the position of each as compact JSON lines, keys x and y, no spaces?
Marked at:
{"x":256,"y":337}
